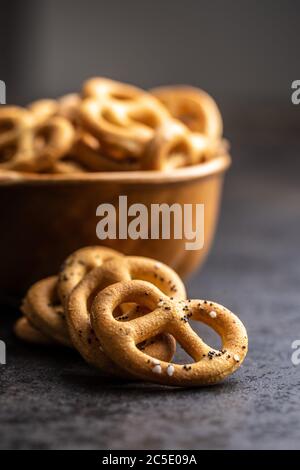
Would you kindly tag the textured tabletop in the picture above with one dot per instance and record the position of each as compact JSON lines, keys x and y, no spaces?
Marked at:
{"x":51,"y":399}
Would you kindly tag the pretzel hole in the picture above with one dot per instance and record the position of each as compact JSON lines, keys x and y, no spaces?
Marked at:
{"x":6,"y":126}
{"x":147,"y":118}
{"x":176,"y":155}
{"x":181,"y":356}
{"x":8,"y":152}
{"x":207,"y":334}
{"x":194,"y":119}
{"x":43,"y":138}
{"x":120,"y":96}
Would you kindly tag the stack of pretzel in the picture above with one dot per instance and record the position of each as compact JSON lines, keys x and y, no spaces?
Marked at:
{"x":111,"y":126}
{"x":124,"y":314}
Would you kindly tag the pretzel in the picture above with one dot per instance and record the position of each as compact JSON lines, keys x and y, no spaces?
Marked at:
{"x":45,"y":312}
{"x":43,"y":110}
{"x":44,"y":301}
{"x":174,"y":146}
{"x":81,"y":154}
{"x":15,"y":135}
{"x":195,"y":108}
{"x":28,"y":333}
{"x":78,"y":264}
{"x":65,"y":167}
{"x":123,"y":127}
{"x":105,"y":88}
{"x":206,"y":148}
{"x":51,"y":141}
{"x":168,"y":316}
{"x":66,"y":106}
{"x":113,"y":271}
{"x":27,"y":145}
{"x":89,"y":152}
{"x":171,"y":147}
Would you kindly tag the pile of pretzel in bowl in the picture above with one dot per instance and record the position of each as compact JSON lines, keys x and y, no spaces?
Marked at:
{"x":111,"y":126}
{"x":124,"y":314}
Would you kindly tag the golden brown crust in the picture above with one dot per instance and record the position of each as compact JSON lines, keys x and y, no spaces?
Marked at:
{"x":31,"y":144}
{"x":43,"y":109}
{"x":44,"y":310}
{"x":125,"y":126}
{"x":111,"y":126}
{"x":192,"y":106}
{"x":89,"y":152}
{"x":27,"y":332}
{"x":168,"y":316}
{"x":78,"y":264}
{"x":117,"y":270}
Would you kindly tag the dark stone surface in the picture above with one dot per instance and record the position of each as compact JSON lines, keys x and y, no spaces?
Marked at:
{"x":50,"y":399}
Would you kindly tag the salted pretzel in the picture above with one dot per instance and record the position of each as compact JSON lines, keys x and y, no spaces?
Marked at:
{"x":168,"y":316}
{"x":113,"y":271}
{"x":28,"y":333}
{"x":192,"y":106}
{"x":26,"y":145}
{"x":78,"y":264}
{"x":45,"y":311}
{"x":120,"y":116}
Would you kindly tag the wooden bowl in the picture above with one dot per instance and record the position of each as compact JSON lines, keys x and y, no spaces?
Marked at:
{"x":46,"y":217}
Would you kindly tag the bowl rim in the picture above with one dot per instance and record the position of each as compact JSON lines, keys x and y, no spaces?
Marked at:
{"x":219,"y":164}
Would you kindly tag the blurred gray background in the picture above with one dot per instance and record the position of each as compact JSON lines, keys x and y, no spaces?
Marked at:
{"x":243,"y":52}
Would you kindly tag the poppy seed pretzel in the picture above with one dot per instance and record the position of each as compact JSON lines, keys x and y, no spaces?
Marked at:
{"x":30,"y":334}
{"x":44,"y":301}
{"x":111,"y":272}
{"x":78,"y":264}
{"x":168,"y":316}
